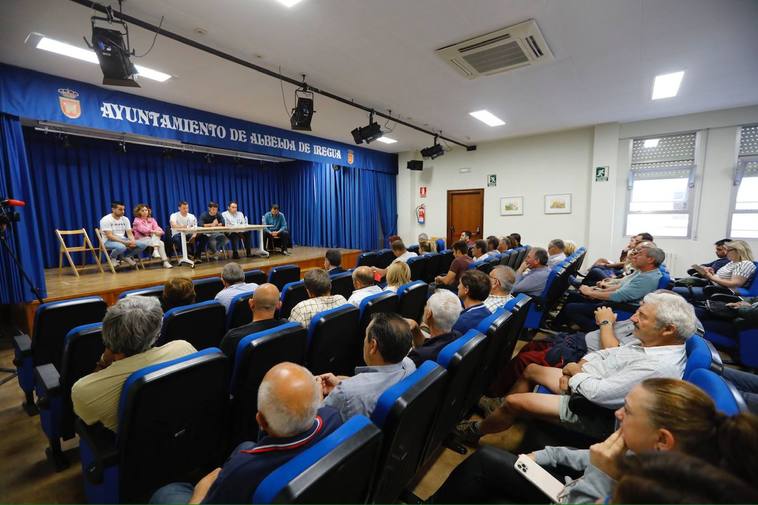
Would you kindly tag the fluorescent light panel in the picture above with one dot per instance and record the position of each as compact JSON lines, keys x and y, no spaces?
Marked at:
{"x":289,"y":3}
{"x":386,"y":140}
{"x":651,"y":143}
{"x":58,"y":47}
{"x":667,"y":85}
{"x":487,"y":118}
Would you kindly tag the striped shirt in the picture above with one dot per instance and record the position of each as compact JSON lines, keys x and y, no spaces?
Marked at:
{"x":744,"y":269}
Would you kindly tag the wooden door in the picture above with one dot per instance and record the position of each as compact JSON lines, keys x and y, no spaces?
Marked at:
{"x":465,"y":211}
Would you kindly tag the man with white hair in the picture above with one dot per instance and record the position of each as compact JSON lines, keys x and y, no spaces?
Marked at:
{"x":130,"y":328}
{"x":501,"y":279}
{"x":440,"y":314}
{"x":234,"y":283}
{"x":661,"y":325}
{"x":291,"y":419}
{"x":363,"y":282}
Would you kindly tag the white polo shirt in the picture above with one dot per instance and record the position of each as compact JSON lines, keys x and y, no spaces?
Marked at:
{"x":189,"y":221}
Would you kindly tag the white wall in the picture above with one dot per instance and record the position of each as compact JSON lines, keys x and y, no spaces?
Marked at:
{"x":563,"y":162}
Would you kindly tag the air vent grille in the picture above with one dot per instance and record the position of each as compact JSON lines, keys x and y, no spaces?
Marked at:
{"x":506,"y":55}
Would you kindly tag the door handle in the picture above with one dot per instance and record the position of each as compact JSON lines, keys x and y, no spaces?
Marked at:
{"x":478,"y":230}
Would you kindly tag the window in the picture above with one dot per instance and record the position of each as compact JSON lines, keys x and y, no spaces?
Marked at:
{"x":660,"y":184}
{"x":744,"y":219}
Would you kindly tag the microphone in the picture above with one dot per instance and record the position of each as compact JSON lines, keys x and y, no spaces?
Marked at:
{"x":10,"y":202}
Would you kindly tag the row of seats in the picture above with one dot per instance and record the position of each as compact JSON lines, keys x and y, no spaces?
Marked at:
{"x":176,"y":421}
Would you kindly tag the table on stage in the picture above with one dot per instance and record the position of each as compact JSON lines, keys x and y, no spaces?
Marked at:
{"x":222,"y":229}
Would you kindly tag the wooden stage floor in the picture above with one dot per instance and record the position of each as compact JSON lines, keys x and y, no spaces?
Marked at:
{"x":63,"y":284}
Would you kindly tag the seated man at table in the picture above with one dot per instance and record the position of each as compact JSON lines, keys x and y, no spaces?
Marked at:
{"x":363,"y":282}
{"x":234,"y":284}
{"x":183,"y":220}
{"x":263,"y":304}
{"x":211,"y":219}
{"x":318,"y":284}
{"x":277,"y":228}
{"x":130,"y":328}
{"x":385,"y":348}
{"x":119,"y":239}
{"x":232,"y":217}
{"x":291,"y":421}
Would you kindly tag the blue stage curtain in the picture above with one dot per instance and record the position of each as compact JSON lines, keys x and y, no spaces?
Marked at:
{"x":324,"y":206}
{"x":16,"y":182}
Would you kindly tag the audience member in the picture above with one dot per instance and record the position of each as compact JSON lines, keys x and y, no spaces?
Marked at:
{"x":333,"y":262}
{"x":363,"y":282}
{"x":515,"y":240}
{"x":393,"y":238}
{"x":234,"y":284}
{"x":603,"y":268}
{"x":215,"y":241}
{"x":671,"y":477}
{"x":733,"y":275}
{"x":504,"y":244}
{"x":397,"y":274}
{"x":290,"y":420}
{"x":580,"y":308}
{"x":662,"y":324}
{"x":177,"y":292}
{"x":147,"y":231}
{"x":130,"y":327}
{"x":531,"y":277}
{"x":556,"y":251}
{"x":473,"y":288}
{"x":466,"y":237}
{"x":401,"y":254}
{"x":501,"y":280}
{"x":119,"y":239}
{"x":570,"y":247}
{"x":479,"y":251}
{"x":659,"y":415}
{"x":277,"y":228}
{"x":319,"y":288}
{"x":441,"y":312}
{"x":385,"y":348}
{"x":720,"y":260}
{"x":232,"y":217}
{"x":461,"y":261}
{"x":183,"y":220}
{"x":492,"y":244}
{"x":263,"y":304}
{"x":426,"y":247}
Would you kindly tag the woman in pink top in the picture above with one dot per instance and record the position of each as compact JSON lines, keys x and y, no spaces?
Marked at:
{"x":146,"y":230}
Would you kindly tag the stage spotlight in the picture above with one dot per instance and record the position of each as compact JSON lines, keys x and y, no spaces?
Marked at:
{"x":209,"y":158}
{"x":303,"y":111}
{"x":368,"y":133}
{"x":121,"y":147}
{"x":434,"y":151}
{"x":112,"y":52}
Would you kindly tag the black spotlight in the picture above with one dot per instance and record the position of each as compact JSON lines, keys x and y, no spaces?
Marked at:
{"x":112,"y":52}
{"x":434,"y":151}
{"x":121,"y":147}
{"x":303,"y":111}
{"x":368,"y":133}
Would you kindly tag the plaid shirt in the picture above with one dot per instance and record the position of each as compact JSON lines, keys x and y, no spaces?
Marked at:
{"x":305,"y":310}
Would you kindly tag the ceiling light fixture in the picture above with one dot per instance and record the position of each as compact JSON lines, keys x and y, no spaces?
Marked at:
{"x":487,"y":118}
{"x":289,"y":3}
{"x":44,"y":43}
{"x":434,"y":151}
{"x":368,"y":133}
{"x":386,"y":140}
{"x":667,"y":85}
{"x":649,"y":143}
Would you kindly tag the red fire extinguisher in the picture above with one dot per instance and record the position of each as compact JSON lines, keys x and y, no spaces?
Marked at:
{"x":421,"y":214}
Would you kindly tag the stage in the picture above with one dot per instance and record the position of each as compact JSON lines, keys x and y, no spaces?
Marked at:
{"x":63,"y":284}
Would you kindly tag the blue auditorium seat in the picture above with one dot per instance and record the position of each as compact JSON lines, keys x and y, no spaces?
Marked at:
{"x":156,"y":291}
{"x":701,"y":354}
{"x":405,"y":413}
{"x":52,"y":322}
{"x":384,"y":257}
{"x":255,"y":277}
{"x":432,"y":267}
{"x":171,"y":429}
{"x":337,"y":469}
{"x":207,"y":289}
{"x":440,"y":245}
{"x":333,"y":341}
{"x":201,"y":324}
{"x":739,"y":338}
{"x":446,"y":259}
{"x":292,"y":294}
{"x":501,"y":340}
{"x":239,"y":310}
{"x":386,"y":301}
{"x":283,"y":274}
{"x":367,"y":259}
{"x":556,"y":285}
{"x":342,"y":284}
{"x":726,"y":397}
{"x":418,"y":265}
{"x":412,"y":299}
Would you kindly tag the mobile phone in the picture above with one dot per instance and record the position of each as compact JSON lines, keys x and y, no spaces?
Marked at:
{"x":540,"y":477}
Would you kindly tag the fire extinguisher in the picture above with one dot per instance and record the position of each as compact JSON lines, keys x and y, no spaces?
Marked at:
{"x":421,"y":214}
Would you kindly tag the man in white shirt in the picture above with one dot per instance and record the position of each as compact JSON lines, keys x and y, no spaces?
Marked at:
{"x":234,"y":283}
{"x":555,"y":252}
{"x":662,"y":324}
{"x":119,"y":239}
{"x":479,"y":251}
{"x":232,"y":217}
{"x":401,"y":254}
{"x":363,"y":281}
{"x":181,"y":221}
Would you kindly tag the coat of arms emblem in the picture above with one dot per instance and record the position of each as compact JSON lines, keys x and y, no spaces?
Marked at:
{"x":70,"y":106}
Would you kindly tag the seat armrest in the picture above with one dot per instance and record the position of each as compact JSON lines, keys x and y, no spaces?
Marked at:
{"x":47,"y":379}
{"x":23,"y":345}
{"x":102,"y":444}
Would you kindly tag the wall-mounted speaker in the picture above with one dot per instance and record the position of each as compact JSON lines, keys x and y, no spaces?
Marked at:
{"x":415,"y":165}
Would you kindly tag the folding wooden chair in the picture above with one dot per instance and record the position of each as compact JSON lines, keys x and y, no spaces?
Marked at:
{"x":67,"y":250}
{"x":103,"y":250}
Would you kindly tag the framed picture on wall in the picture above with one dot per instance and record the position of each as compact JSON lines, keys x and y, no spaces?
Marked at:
{"x":558,"y":204}
{"x":512,"y":206}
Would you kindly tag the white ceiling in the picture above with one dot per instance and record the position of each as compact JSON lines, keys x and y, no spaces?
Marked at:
{"x":381,"y":53}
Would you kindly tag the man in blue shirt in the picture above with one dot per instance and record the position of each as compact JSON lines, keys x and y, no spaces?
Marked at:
{"x":473,"y":288}
{"x":277,"y":227}
{"x":289,"y":415}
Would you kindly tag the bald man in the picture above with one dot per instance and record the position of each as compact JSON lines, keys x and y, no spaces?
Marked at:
{"x":363,"y":282}
{"x":291,"y":419}
{"x":263,"y":304}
